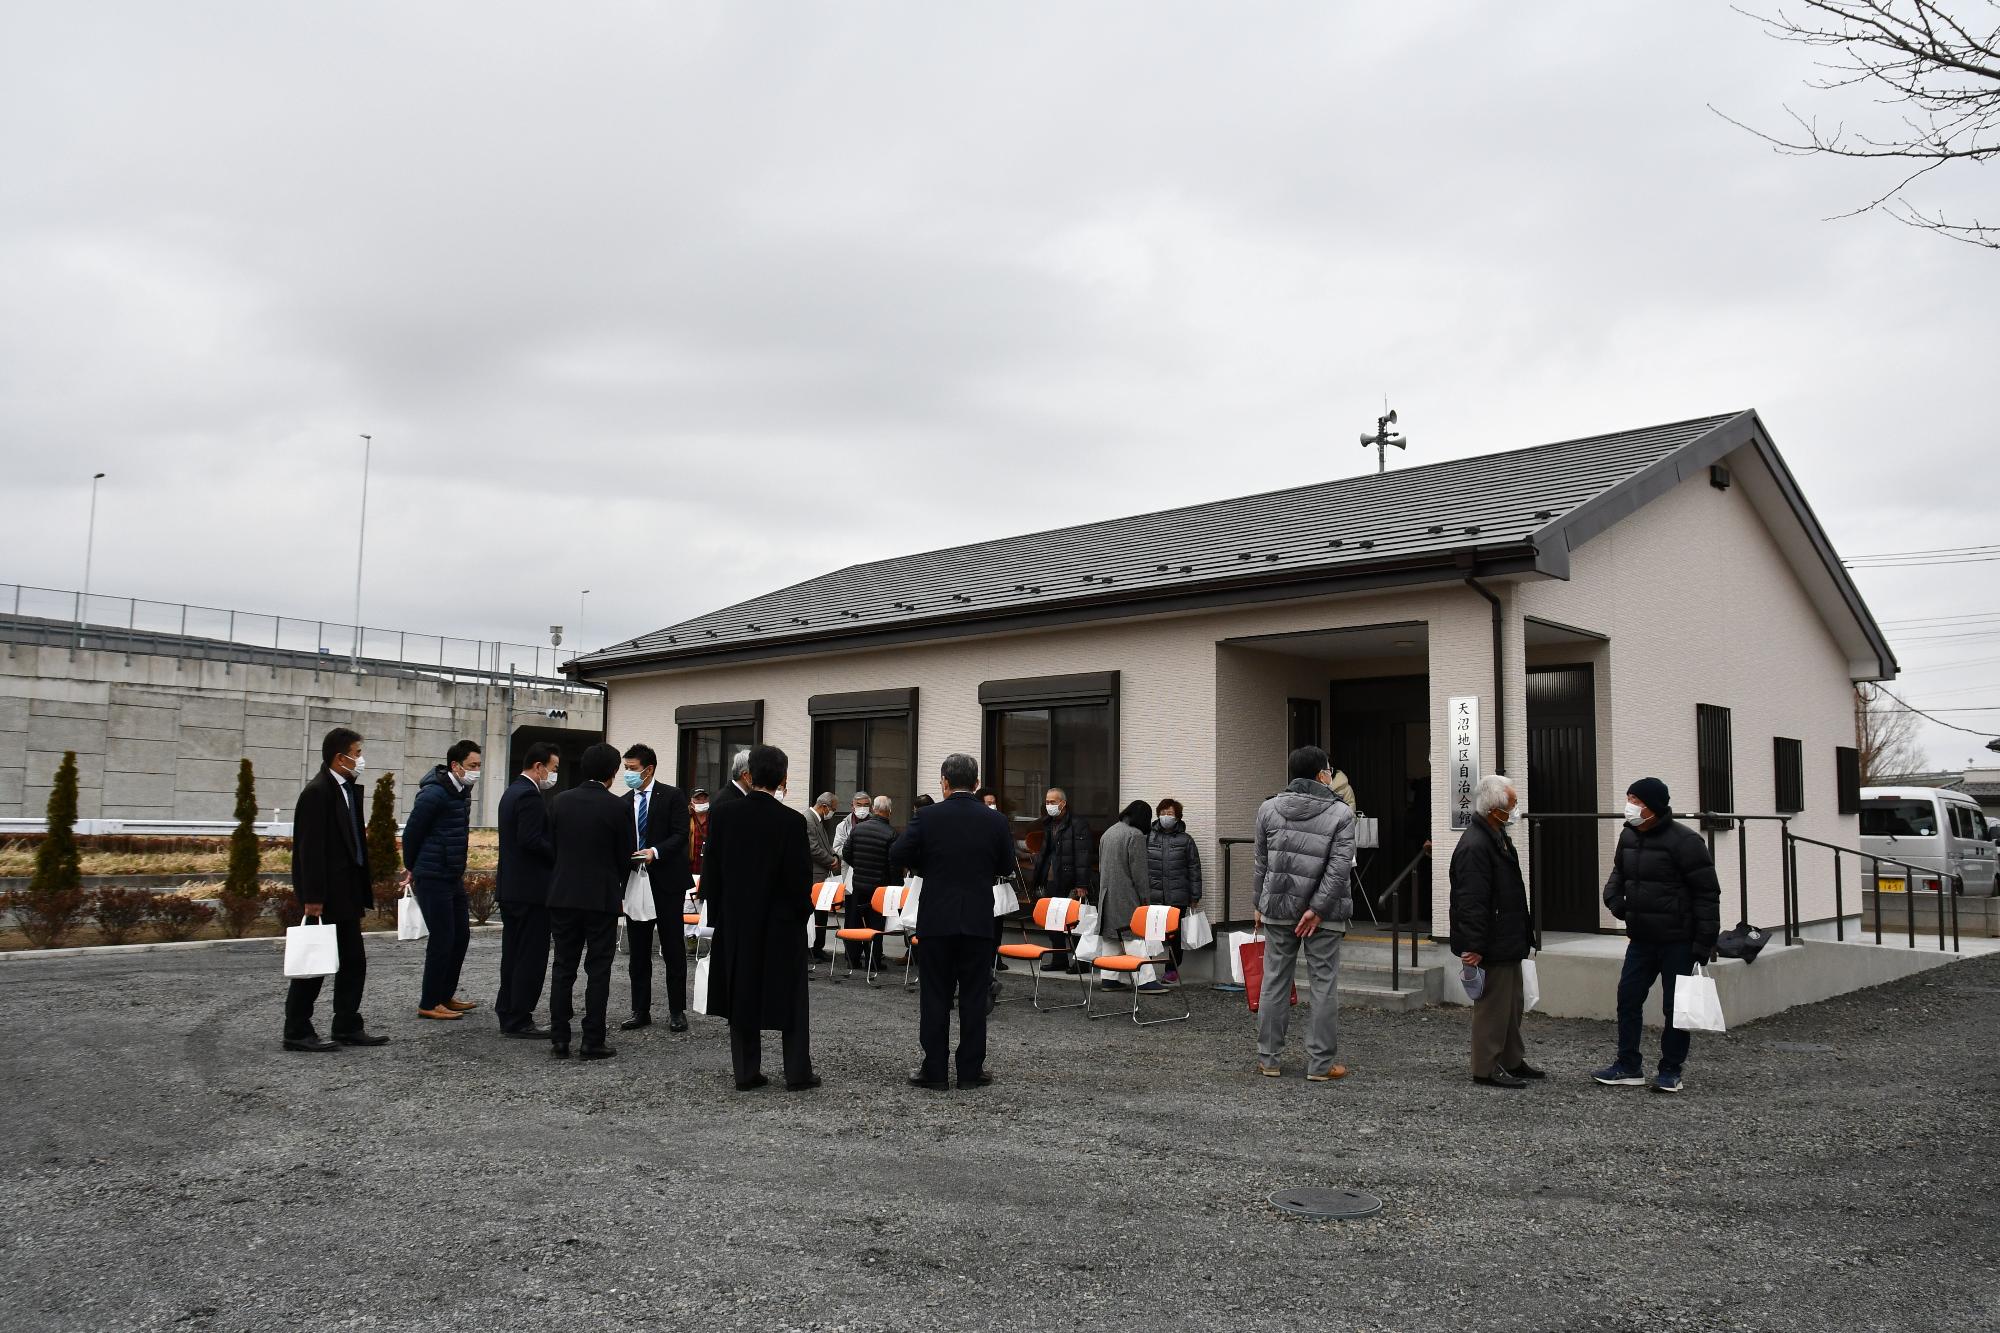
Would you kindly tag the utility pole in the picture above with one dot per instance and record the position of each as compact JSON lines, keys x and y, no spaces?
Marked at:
{"x":1384,"y":440}
{"x":578,"y":646}
{"x":89,"y":547}
{"x":361,"y":548}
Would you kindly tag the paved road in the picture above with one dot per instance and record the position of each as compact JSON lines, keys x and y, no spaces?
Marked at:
{"x":168,"y":1168}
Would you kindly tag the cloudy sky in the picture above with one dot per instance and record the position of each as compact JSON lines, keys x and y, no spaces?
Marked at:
{"x":679,"y":303}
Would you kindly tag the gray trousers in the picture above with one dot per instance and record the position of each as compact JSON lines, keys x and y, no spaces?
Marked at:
{"x":1274,"y":1008}
{"x":1496,"y":1022}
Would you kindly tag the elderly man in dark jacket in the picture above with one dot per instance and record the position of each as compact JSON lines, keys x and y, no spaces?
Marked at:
{"x":434,"y":842}
{"x":1065,"y":867}
{"x":1663,"y":887}
{"x":758,"y":883}
{"x":1490,"y":929}
{"x":868,"y":856}
{"x":1302,"y":859}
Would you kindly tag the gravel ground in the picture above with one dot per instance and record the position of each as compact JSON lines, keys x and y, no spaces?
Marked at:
{"x":170,"y":1168}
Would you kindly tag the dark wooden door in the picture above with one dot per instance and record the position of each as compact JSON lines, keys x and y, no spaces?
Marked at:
{"x":1380,"y":737}
{"x":1562,"y":778}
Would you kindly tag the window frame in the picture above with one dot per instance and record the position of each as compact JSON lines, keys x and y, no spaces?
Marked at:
{"x":1031,"y":693}
{"x":690,"y":720}
{"x":1847,"y":779}
{"x":1788,"y":775}
{"x":864,"y":706}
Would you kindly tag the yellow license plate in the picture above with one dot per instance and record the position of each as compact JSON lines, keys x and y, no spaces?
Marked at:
{"x":1889,"y":885}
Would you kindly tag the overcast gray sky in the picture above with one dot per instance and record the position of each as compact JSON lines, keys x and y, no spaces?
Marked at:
{"x":683,"y":302}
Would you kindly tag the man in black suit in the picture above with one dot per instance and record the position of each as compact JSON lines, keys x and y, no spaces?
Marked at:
{"x":959,"y":846}
{"x":595,"y":847}
{"x":738,"y":785}
{"x":527,"y":858}
{"x":330,"y":877}
{"x":660,"y":822}
{"x":757,"y":877}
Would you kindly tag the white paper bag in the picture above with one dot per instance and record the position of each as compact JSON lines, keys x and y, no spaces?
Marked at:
{"x":314,"y":951}
{"x":1088,"y":947}
{"x":1088,"y":920}
{"x":639,"y":896}
{"x":1697,"y":1008}
{"x":1156,"y":922}
{"x":699,"y":1000}
{"x":410,"y":923}
{"x":1196,"y":932}
{"x":1531,"y":986}
{"x":1004,"y":901}
{"x":1232,"y":944}
{"x":899,"y":909}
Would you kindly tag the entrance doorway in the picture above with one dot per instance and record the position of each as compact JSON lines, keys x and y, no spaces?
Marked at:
{"x":1562,"y":773}
{"x":1381,"y":739}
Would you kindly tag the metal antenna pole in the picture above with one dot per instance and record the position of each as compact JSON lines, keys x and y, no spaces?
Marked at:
{"x":89,"y":548}
{"x":361,"y":549}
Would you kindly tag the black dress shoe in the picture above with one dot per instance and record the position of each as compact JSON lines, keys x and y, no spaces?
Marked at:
{"x":933,"y":1084}
{"x":807,"y":1084}
{"x":529,"y":1031}
{"x":976,"y":1081}
{"x":1000,"y":965}
{"x":635,"y":1022}
{"x":1078,"y":970}
{"x":559,"y":1049}
{"x":1500,"y":1078}
{"x":312,"y":1041}
{"x":1526,"y":1070}
{"x":752,"y":1084}
{"x":596,"y":1052}
{"x":678,"y":1023}
{"x":361,"y":1038}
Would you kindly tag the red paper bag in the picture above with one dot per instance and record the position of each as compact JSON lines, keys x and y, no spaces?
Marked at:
{"x":1253,"y":973}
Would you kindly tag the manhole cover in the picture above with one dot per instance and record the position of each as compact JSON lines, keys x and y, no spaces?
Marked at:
{"x":1798,"y":1047}
{"x":1343,"y":1205}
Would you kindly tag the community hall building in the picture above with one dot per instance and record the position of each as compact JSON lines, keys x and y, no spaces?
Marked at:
{"x":1577,"y":615}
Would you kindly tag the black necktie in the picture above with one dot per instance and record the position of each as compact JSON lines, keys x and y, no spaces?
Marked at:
{"x":358,"y":838}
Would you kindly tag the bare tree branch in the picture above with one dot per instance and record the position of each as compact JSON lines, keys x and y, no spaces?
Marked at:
{"x":1885,"y":733}
{"x":1917,"y":54}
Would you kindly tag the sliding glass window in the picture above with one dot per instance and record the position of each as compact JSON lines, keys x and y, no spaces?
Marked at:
{"x":865,"y":741}
{"x":711,"y":735}
{"x":1053,"y":731}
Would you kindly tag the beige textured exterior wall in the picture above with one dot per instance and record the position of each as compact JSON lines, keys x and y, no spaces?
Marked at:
{"x":1691,"y":591}
{"x":1701,"y":607}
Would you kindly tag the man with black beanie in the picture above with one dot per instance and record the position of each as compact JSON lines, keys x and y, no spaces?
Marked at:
{"x":1663,"y":887}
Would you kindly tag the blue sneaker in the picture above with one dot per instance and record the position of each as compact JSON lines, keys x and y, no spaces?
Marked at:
{"x":1667,"y":1082}
{"x":1618,"y":1076}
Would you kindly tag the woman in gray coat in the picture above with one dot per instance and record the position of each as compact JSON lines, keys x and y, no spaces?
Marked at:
{"x":1121,"y":879}
{"x":1173,"y":872}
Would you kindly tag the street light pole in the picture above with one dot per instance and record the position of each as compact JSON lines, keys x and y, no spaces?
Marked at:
{"x":361,"y":548}
{"x":89,"y":548}
{"x":578,"y":646}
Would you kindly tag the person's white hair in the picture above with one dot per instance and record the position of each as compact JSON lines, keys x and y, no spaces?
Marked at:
{"x":883,"y":805}
{"x":1491,"y":794}
{"x":739,"y":765}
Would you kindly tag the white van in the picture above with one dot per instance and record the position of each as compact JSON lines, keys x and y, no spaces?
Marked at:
{"x":1934,"y":829}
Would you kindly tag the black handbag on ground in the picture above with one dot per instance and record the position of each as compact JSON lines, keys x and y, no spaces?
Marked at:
{"x":1744,"y":942}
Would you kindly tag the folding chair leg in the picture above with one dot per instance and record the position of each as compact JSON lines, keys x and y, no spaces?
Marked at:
{"x":1036,"y":998}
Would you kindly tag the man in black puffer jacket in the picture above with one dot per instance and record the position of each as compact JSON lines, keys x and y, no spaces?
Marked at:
{"x":434,"y":842}
{"x":867,"y":854}
{"x":1491,"y":929}
{"x":1663,"y":887}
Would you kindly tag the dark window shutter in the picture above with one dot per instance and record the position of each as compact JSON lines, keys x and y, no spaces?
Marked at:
{"x":1789,"y":764}
{"x":1713,"y":759}
{"x":1847,"y":778}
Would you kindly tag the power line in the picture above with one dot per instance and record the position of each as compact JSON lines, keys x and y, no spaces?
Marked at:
{"x":1949,"y":726}
{"x":1932,"y":550}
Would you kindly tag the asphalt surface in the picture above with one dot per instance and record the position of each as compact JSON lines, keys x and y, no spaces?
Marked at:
{"x":168,"y":1167}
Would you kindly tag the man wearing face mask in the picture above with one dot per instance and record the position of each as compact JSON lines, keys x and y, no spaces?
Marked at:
{"x":527,"y":857}
{"x":697,"y":827}
{"x":857,"y":812}
{"x":330,"y":876}
{"x":1064,"y":868}
{"x":1301,"y":863}
{"x":1663,"y":887}
{"x":659,"y":823}
{"x":434,"y":842}
{"x":1491,"y":929}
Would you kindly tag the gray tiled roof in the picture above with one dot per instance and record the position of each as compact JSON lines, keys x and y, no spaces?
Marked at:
{"x":1350,"y":526}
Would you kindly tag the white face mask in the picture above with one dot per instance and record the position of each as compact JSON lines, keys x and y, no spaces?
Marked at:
{"x":1635,"y":814}
{"x":1169,"y":823}
{"x":1055,"y":811}
{"x":360,"y":765}
{"x":860,"y":815}
{"x":701,"y":807}
{"x":468,"y":777}
{"x":546,"y":781}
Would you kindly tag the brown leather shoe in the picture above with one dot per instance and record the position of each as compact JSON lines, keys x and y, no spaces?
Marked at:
{"x":442,"y":1011}
{"x":1337,"y":1071}
{"x":462,"y":1006}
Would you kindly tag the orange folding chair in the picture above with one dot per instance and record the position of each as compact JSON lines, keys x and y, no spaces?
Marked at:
{"x":1128,"y":966}
{"x":1050,"y":914}
{"x":837,"y":901}
{"x":871,"y":938}
{"x":694,"y":918}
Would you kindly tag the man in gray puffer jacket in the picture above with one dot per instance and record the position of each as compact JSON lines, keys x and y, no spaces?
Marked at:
{"x":1302,"y":862}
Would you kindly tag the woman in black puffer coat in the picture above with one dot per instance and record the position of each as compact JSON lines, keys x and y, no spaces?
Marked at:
{"x":1173,"y":870}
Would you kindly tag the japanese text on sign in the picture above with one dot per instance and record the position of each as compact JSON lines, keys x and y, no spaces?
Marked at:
{"x":1462,"y":758}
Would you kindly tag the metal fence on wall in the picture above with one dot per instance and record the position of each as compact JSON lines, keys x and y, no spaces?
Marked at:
{"x":54,"y":618}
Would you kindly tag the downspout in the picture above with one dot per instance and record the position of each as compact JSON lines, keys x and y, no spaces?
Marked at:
{"x":1499,"y":678}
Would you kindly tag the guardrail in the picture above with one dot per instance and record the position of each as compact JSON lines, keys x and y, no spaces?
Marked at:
{"x":49,"y":617}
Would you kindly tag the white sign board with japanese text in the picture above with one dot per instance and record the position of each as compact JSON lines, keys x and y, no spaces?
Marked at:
{"x":1462,"y":758}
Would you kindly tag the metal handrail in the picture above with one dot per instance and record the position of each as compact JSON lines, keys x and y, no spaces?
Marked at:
{"x":1712,"y":822}
{"x":1875,"y":861}
{"x":1392,"y":896}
